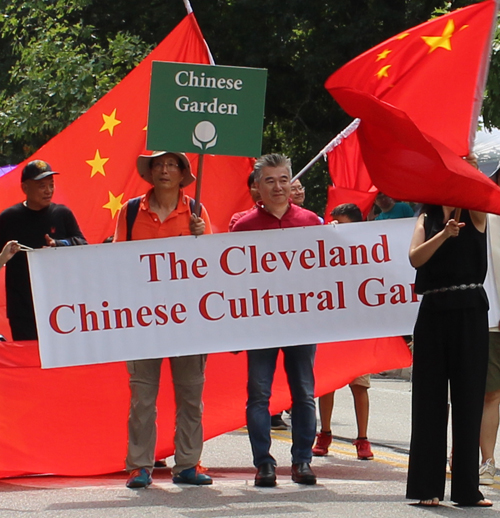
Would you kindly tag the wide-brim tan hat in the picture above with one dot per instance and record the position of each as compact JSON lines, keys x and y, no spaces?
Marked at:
{"x":144,"y":166}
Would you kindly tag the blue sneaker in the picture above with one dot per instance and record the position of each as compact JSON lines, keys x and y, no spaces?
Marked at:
{"x":139,"y":478}
{"x":192,"y":476}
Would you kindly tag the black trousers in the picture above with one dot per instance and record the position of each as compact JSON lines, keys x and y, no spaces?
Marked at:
{"x":23,"y":328}
{"x":449,"y":345}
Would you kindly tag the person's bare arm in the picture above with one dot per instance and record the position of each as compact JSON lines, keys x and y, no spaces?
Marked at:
{"x":421,"y":250}
{"x":9,"y":250}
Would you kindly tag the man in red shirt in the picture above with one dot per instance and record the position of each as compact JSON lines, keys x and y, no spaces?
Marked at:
{"x":165,"y":211}
{"x":272,"y":176}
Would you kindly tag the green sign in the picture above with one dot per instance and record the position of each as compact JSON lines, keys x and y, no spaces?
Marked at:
{"x":206,"y":109}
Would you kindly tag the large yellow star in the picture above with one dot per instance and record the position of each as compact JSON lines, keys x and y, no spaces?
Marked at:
{"x":110,"y":121}
{"x":114,"y":204}
{"x":97,"y":164}
{"x":443,"y":41}
{"x":383,"y":54}
{"x":383,"y":72}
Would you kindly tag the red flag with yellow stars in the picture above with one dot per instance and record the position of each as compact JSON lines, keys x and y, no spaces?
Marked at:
{"x":96,"y":154}
{"x":425,"y":83}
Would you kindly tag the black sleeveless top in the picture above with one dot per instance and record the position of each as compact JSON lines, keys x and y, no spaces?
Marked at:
{"x":459,"y":260}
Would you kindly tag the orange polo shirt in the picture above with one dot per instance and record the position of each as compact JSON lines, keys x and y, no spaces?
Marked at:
{"x":147,"y":224}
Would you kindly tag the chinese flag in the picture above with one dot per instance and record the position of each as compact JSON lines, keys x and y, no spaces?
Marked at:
{"x":73,"y":421}
{"x":96,"y":154}
{"x":424,"y":84}
{"x":350,"y":178}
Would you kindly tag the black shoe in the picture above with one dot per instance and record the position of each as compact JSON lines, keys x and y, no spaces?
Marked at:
{"x":266,"y":475}
{"x":303,"y":474}
{"x":277,"y":423}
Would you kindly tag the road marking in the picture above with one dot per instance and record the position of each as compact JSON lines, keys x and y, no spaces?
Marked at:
{"x":398,"y":460}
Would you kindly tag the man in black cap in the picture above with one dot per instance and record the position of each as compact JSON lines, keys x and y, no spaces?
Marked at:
{"x":35,"y":223}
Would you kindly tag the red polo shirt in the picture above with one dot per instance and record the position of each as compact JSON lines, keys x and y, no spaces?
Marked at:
{"x":260,"y":219}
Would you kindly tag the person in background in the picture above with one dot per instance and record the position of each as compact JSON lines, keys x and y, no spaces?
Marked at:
{"x":392,"y":209}
{"x":298,"y":193}
{"x":346,"y":213}
{"x":164,"y":211}
{"x":254,"y":193}
{"x":491,"y":413}
{"x":36,"y":223}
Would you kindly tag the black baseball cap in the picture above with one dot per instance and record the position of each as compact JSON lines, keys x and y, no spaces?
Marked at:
{"x":36,"y":170}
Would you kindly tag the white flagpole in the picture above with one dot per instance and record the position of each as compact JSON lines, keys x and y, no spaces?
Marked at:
{"x":197,"y":203}
{"x":189,"y":10}
{"x":331,"y":145}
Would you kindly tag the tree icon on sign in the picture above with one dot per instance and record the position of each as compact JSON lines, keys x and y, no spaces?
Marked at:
{"x":205,"y":135}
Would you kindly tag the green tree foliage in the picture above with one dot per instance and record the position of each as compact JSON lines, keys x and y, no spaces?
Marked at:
{"x":62,"y":55}
{"x":58,"y":69}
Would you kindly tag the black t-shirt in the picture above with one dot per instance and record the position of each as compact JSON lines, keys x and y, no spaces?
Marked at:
{"x":29,"y":228}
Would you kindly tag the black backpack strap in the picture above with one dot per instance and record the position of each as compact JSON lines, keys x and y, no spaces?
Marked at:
{"x":192,"y":203}
{"x":132,"y":210}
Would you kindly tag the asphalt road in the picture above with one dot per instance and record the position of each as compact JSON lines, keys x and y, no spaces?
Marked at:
{"x":346,"y":486}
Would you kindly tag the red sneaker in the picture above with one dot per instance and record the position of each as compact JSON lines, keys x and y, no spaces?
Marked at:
{"x":364,"y":449}
{"x":323,"y":440}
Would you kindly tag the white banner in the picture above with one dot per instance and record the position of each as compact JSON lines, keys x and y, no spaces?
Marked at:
{"x":223,"y":292}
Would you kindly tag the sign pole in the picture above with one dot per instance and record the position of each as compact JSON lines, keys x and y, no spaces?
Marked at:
{"x":199,"y":177}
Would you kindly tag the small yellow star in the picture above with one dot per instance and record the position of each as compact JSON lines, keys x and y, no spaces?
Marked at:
{"x":97,"y":164}
{"x":402,"y":36}
{"x":383,"y":72}
{"x":443,"y":41}
{"x":383,"y":54}
{"x":114,"y":204}
{"x":110,"y":121}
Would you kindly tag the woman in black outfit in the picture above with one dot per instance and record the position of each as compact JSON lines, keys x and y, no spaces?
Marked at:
{"x":450,"y":345}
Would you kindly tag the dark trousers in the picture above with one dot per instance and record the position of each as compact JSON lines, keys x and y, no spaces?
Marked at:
{"x":23,"y":328}
{"x":449,"y":345}
{"x":299,"y":364}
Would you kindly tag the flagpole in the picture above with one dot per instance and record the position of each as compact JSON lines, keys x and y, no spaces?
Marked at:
{"x":188,"y":7}
{"x":331,"y":145}
{"x":199,"y":175}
